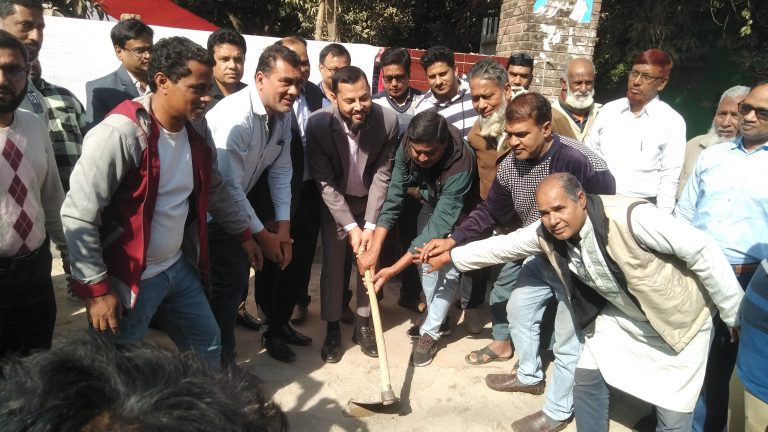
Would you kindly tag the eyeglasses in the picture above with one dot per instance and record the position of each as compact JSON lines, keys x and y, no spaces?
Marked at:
{"x":389,"y":78}
{"x":760,"y":113}
{"x":331,"y":70}
{"x":140,"y":52}
{"x":14,"y":71}
{"x":644,"y":77}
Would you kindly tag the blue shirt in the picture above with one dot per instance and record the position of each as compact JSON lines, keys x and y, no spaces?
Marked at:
{"x":753,"y":339}
{"x":727,"y":197}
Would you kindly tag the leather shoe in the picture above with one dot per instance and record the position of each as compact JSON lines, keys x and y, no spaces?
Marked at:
{"x":292,"y":337}
{"x":277,"y":348}
{"x":364,"y":337}
{"x":331,"y":351}
{"x":539,"y":422}
{"x":509,"y":383}
{"x":347,"y":316}
{"x":245,"y":319}
{"x":299,"y":314}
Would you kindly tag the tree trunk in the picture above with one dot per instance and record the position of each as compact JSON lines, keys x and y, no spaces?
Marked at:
{"x":319,"y":20}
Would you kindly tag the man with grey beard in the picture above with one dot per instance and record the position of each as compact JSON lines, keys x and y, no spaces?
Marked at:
{"x":575,"y":111}
{"x":725,"y":127}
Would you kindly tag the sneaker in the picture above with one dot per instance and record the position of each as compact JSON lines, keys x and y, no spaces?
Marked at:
{"x":415,"y":331}
{"x":424,"y":351}
{"x":471,"y":321}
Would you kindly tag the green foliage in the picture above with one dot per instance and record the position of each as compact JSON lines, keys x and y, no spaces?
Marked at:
{"x":689,"y":30}
{"x":75,"y":8}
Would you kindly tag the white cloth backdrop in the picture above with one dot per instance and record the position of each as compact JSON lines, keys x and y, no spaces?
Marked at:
{"x":78,"y":50}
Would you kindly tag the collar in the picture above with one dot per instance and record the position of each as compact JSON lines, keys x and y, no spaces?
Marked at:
{"x":584,"y":233}
{"x":463,"y":88}
{"x":738,"y":144}
{"x":649,"y":109}
{"x":408,"y":99}
{"x":347,"y":131}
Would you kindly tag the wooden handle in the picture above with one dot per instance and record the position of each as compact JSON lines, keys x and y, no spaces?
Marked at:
{"x":386,"y":386}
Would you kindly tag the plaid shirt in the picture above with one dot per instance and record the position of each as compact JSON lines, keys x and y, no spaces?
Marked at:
{"x":66,"y":123}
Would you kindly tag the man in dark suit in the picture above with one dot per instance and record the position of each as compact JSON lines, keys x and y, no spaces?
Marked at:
{"x":132,"y":40}
{"x":350,"y":147}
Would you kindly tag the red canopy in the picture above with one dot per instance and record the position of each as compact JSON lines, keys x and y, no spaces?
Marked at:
{"x":157,"y":12}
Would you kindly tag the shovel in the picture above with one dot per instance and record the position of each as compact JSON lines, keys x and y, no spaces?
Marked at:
{"x":368,"y":407}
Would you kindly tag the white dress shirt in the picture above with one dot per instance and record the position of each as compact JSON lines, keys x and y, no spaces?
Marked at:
{"x":644,"y":151}
{"x":245,"y":148}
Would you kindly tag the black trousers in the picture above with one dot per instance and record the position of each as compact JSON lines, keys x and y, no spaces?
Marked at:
{"x":27,"y":305}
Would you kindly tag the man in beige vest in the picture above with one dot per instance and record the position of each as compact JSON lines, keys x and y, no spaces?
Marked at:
{"x":638,"y":282}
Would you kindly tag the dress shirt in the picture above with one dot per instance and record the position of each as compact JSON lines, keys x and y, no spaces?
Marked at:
{"x":301,"y":111}
{"x":66,"y":125}
{"x":355,"y":186}
{"x":141,"y":88}
{"x":245,"y":147}
{"x":643,"y":151}
{"x":726,"y":197}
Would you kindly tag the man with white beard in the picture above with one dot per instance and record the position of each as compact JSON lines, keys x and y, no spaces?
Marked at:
{"x":574,"y":113}
{"x":725,"y":127}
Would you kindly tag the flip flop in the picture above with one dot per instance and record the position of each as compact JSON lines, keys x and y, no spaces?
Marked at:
{"x":483,"y":356}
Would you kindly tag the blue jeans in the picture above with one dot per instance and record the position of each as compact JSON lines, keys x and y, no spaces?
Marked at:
{"x":175,"y":297}
{"x":502,"y":289}
{"x":535,"y":286}
{"x":592,"y":406}
{"x":439,"y":287}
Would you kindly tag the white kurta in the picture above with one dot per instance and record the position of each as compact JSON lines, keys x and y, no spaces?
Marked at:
{"x":630,"y":354}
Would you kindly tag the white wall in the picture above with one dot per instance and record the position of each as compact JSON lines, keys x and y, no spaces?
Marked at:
{"x":77,"y":50}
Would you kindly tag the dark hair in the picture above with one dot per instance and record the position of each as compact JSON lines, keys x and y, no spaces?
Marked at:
{"x":171,"y":57}
{"x":128,"y":29}
{"x":437,"y":54}
{"x":655,"y":57}
{"x":428,"y":126}
{"x":335,"y":50}
{"x":758,"y":84}
{"x":568,"y":182}
{"x":272,"y":54}
{"x":6,"y":6}
{"x":9,"y":41}
{"x":520,"y":59}
{"x":294,"y":38}
{"x":396,"y":56}
{"x":226,"y":36}
{"x":94,"y":383}
{"x":347,"y":75}
{"x":529,"y":106}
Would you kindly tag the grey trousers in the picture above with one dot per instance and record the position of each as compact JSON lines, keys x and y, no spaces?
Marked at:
{"x":335,"y":249}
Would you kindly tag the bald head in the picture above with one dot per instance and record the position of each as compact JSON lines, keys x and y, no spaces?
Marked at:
{"x":578,"y":84}
{"x":562,"y":205}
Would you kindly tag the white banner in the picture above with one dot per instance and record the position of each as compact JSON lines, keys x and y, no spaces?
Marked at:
{"x":78,"y":50}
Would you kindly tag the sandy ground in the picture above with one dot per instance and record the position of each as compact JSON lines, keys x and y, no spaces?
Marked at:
{"x":447,"y":395}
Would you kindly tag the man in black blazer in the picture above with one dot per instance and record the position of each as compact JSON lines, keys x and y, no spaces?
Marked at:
{"x":132,"y":40}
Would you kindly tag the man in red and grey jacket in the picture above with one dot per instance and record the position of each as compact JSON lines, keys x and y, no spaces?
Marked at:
{"x":136,"y":212}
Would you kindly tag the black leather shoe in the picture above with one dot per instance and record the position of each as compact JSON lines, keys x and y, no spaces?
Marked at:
{"x":292,"y":337}
{"x":365,"y":337}
{"x":277,"y":348}
{"x":331,"y":351}
{"x":245,"y":319}
{"x":347,"y":316}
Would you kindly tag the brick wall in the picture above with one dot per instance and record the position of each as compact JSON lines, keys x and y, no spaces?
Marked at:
{"x":464,"y":63}
{"x":552,"y":35}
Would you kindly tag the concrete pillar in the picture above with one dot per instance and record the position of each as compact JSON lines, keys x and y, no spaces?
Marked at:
{"x":552,"y":31}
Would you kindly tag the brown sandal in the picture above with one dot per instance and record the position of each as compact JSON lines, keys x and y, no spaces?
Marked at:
{"x":483,"y":356}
